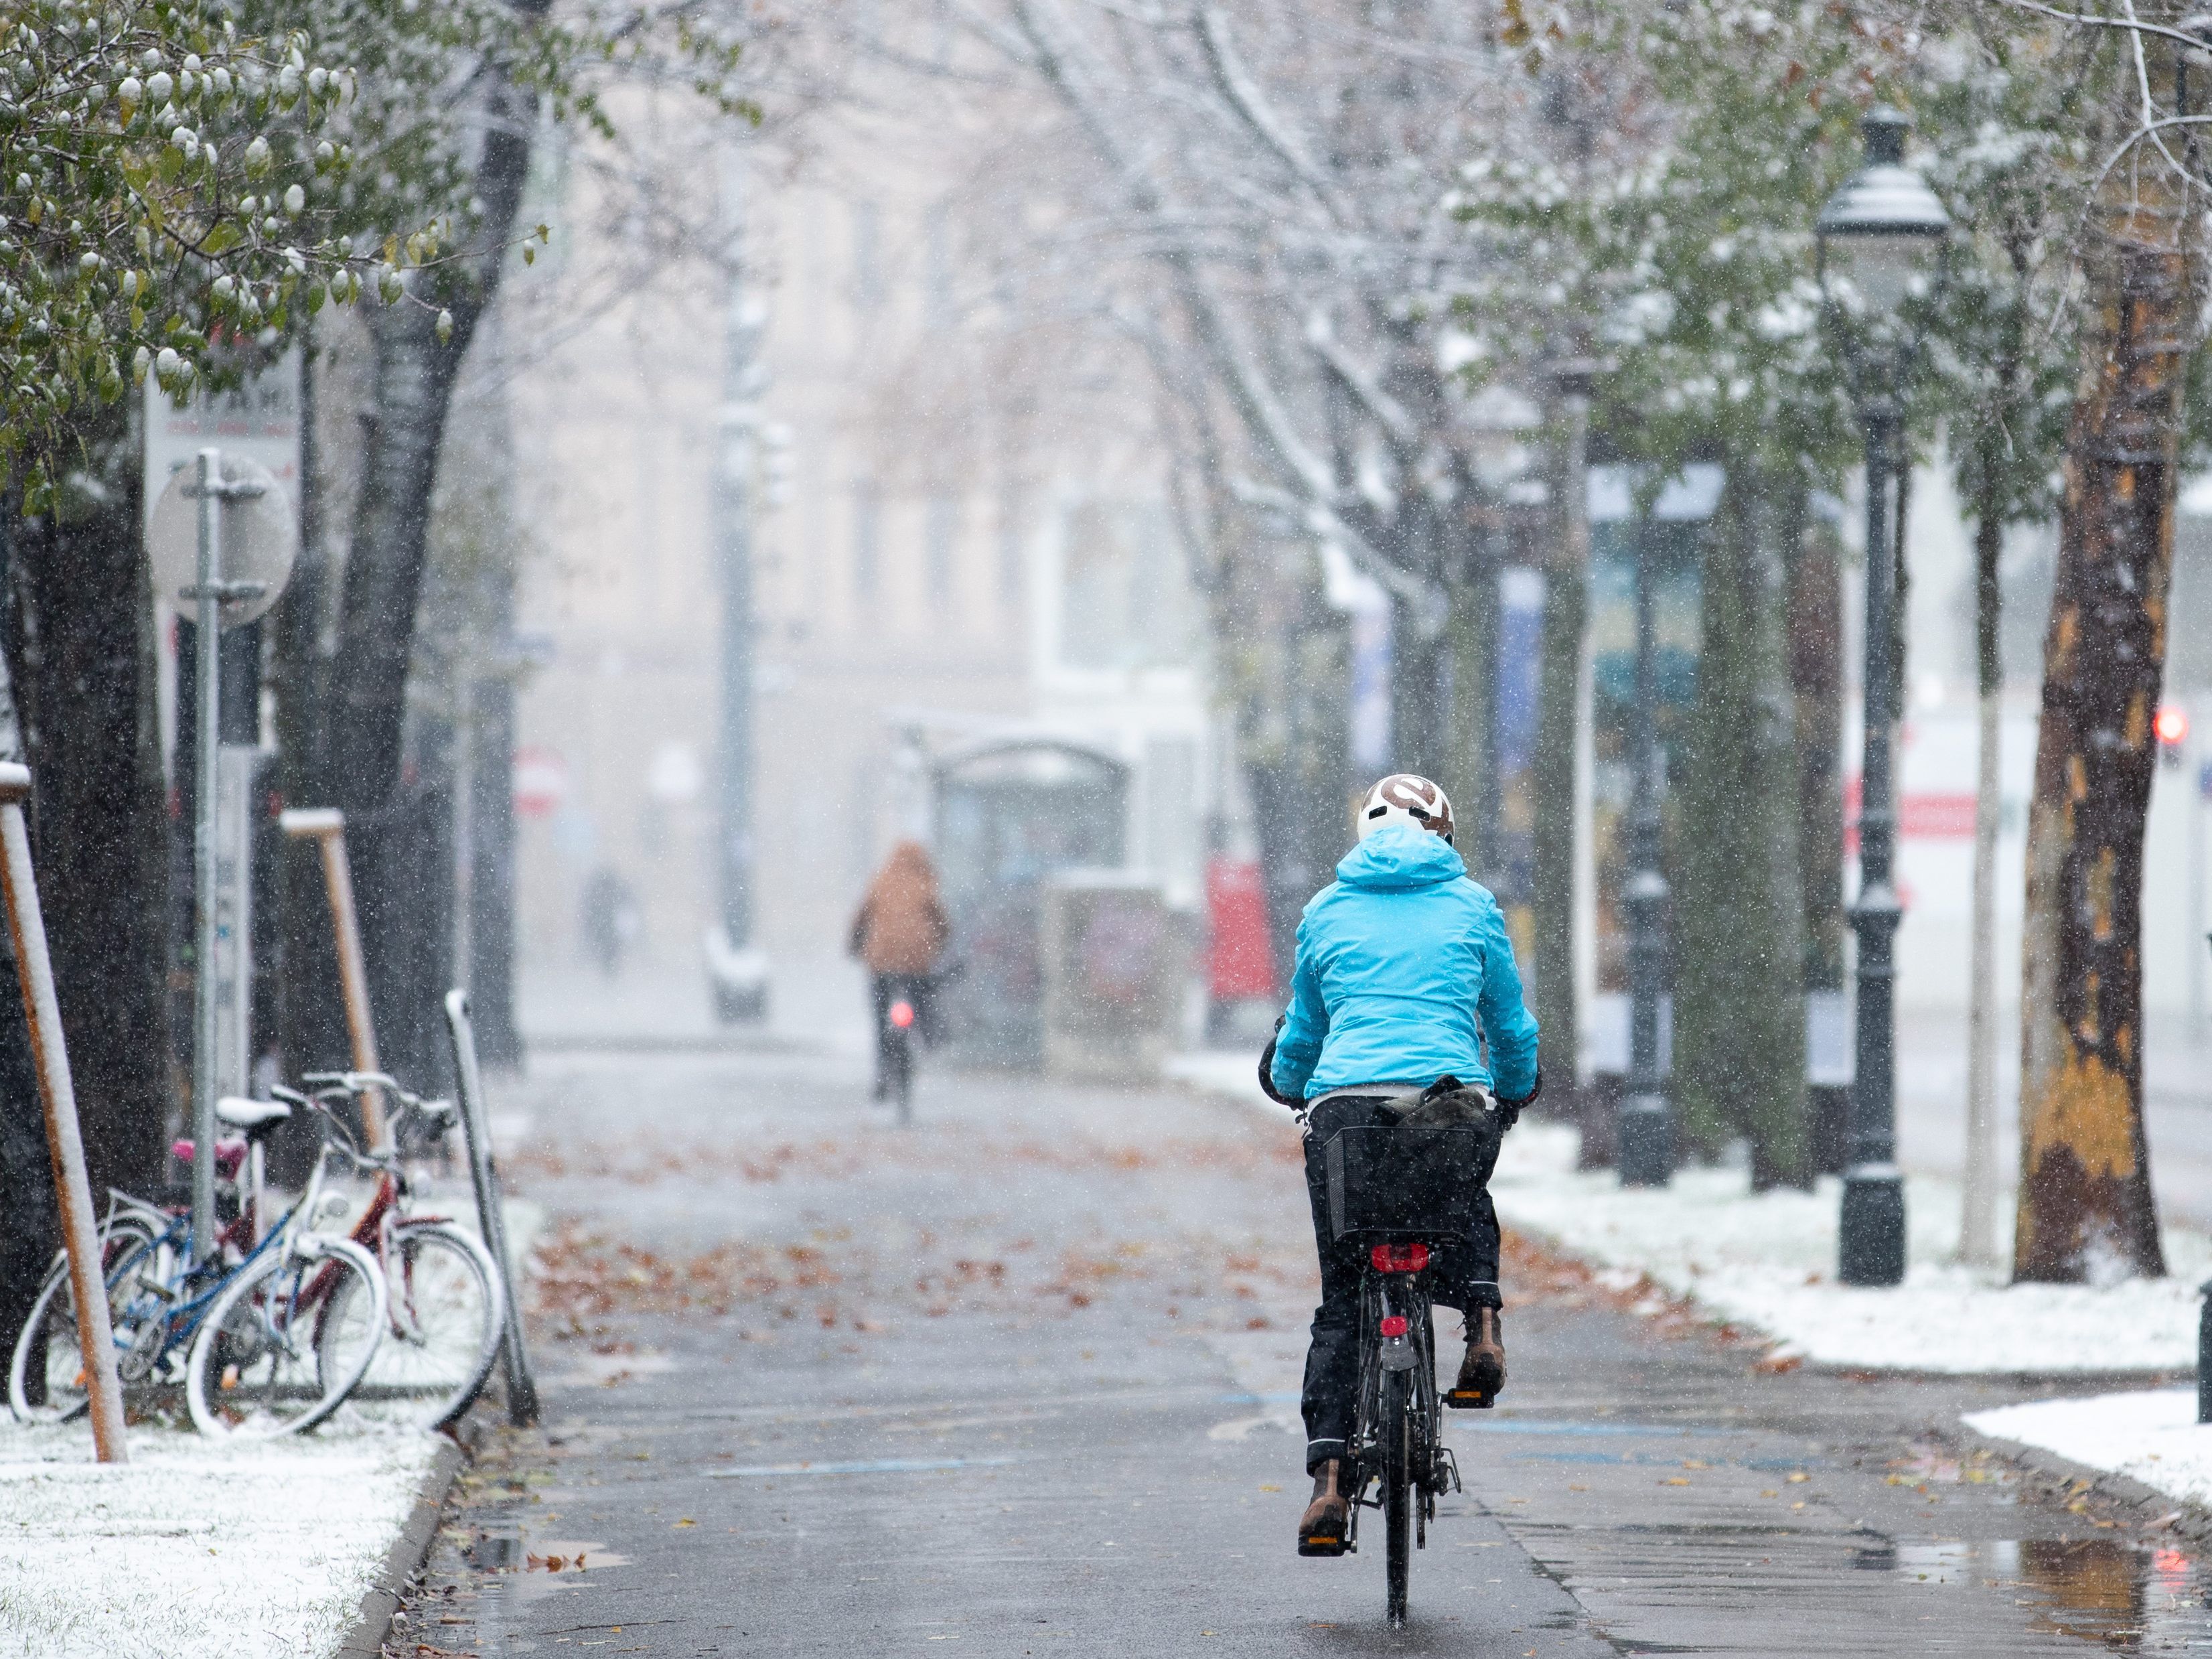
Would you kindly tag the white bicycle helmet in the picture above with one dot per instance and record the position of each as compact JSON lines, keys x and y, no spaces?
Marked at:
{"x":1405,"y":798}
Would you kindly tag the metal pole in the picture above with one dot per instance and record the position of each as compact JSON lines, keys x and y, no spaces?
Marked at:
{"x":1872,"y":1227}
{"x":2204,"y":1353}
{"x":741,"y":984}
{"x":1646,"y":1119}
{"x":521,"y":1386}
{"x":207,"y":631}
{"x":64,"y":1142}
{"x":464,"y":817}
{"x":325,"y":826}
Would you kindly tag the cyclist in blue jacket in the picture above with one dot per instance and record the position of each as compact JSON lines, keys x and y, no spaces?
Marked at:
{"x":1403,"y":972}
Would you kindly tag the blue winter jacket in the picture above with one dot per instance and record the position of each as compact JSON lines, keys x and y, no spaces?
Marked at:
{"x":1403,"y":967}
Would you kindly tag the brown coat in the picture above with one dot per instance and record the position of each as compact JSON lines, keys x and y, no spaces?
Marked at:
{"x":901,"y":926}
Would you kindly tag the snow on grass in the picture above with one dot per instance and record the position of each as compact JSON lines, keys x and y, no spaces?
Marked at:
{"x":1768,"y":1261}
{"x":195,"y":1550}
{"x":2153,"y":1437}
{"x":1227,"y":1073}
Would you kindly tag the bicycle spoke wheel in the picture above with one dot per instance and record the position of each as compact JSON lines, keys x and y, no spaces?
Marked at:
{"x":443,"y":1331}
{"x":1397,"y":1490}
{"x":45,"y":1376}
{"x":256,"y":1366}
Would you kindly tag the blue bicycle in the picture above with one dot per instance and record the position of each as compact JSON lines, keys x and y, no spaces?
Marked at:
{"x":268,"y":1335}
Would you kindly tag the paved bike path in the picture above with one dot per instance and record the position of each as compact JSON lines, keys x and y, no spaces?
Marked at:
{"x":1027,"y":1395}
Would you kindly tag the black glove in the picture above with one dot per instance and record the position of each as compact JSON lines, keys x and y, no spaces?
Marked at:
{"x":1267,"y":1074}
{"x":1509,"y":1111}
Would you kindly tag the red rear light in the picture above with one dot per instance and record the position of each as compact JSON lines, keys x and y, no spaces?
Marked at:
{"x":902,"y":1014}
{"x":1395,"y":1325}
{"x":1399,"y":1258}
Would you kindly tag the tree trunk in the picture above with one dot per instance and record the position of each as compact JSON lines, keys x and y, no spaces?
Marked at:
{"x":1298,"y":775}
{"x":1816,"y":683}
{"x":2086,"y":1210}
{"x":490,"y":967}
{"x":1565,"y":642}
{"x":1420,"y":696}
{"x":413,"y":380}
{"x":1978,"y":1220}
{"x":1473,"y":773}
{"x":1739,"y":1000}
{"x":27,"y":1242}
{"x":81,"y":661}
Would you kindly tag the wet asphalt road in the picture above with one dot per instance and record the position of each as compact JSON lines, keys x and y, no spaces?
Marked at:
{"x":1022,"y":1379}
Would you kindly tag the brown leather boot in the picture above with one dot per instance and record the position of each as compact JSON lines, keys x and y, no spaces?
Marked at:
{"x":1482,"y":1373}
{"x":1323,"y":1528}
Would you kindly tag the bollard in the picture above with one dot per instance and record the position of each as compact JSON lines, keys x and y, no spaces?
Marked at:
{"x":325,"y":827}
{"x":1645,"y":1141}
{"x":475,"y":1130}
{"x":2204,"y":1353}
{"x":65,"y":1141}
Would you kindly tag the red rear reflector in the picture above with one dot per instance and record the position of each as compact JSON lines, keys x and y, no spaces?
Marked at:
{"x":1395,"y":1325}
{"x":1399,"y":1258}
{"x":902,"y":1014}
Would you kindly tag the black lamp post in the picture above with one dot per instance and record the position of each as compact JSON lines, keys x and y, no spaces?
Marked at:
{"x":1647,"y":1120}
{"x":1875,"y":234}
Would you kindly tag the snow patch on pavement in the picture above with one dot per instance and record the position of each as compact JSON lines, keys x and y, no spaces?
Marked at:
{"x":195,"y":1550}
{"x":2153,"y":1437}
{"x":1768,"y":1261}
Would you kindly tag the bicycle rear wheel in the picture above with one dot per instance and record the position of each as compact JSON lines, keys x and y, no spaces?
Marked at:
{"x":441,"y":1338}
{"x":255,"y":1367}
{"x":1397,"y":1490}
{"x":901,"y":1058}
{"x":46,"y":1381}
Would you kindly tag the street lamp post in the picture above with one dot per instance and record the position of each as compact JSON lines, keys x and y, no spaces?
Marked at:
{"x":1875,"y":234}
{"x":1646,"y":1119}
{"x":737,"y":970}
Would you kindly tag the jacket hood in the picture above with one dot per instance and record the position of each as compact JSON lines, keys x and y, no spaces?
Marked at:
{"x":1399,"y":856}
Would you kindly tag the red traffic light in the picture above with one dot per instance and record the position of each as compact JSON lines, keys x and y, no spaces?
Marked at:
{"x":2171,"y":724}
{"x":901,"y":1013}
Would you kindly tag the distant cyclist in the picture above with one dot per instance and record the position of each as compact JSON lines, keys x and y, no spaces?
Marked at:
{"x":900,"y":933}
{"x":1403,"y":971}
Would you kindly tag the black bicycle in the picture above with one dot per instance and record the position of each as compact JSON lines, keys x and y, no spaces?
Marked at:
{"x":898,"y":1036}
{"x":1403,"y":1192}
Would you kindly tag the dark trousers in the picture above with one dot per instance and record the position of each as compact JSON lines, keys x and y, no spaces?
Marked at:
{"x":1462,"y":1276}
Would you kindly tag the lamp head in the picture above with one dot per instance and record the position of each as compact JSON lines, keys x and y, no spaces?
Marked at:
{"x":1883,"y":224}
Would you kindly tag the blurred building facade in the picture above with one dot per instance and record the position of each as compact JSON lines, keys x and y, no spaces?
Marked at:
{"x":961,"y":534}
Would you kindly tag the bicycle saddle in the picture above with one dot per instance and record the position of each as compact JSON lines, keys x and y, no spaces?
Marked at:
{"x":249,"y":1114}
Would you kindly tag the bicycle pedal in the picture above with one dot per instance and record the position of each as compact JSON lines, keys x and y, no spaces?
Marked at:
{"x":1469,"y":1400}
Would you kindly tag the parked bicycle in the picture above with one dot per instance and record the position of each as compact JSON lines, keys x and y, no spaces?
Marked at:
{"x":268,"y":1333}
{"x":1405,"y":1193}
{"x":447,"y":1305}
{"x":267,"y":1345}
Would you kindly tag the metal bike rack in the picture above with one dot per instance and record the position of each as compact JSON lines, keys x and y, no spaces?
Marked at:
{"x":521,"y":1386}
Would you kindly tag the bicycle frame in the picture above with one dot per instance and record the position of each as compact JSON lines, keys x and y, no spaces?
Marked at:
{"x":1397,"y":1339}
{"x":179,"y":1319}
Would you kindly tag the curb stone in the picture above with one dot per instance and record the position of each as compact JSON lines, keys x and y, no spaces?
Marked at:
{"x":364,"y":1638}
{"x":2058,"y":1476}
